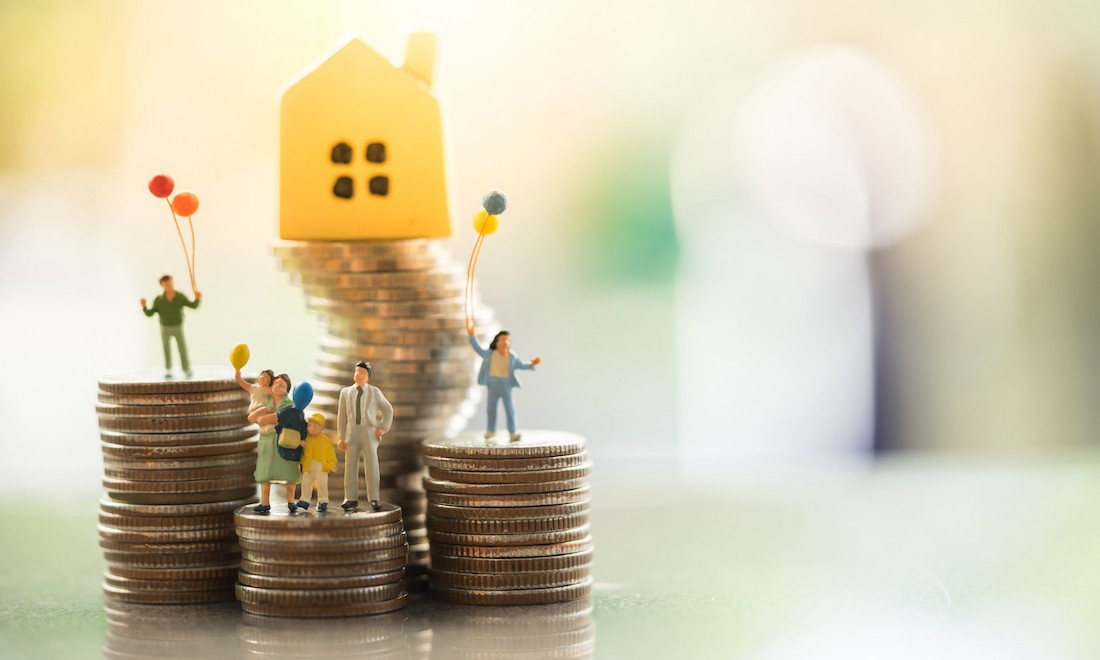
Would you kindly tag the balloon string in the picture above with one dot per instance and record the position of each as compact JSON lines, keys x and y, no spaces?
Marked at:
{"x":192,"y":226}
{"x":470,"y":271}
{"x":186,"y":257}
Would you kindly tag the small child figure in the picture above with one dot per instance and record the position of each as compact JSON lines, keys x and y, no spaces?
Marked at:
{"x":260,"y":393}
{"x":318,"y":460}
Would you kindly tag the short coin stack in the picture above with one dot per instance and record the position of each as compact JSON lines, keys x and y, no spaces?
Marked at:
{"x":321,"y":565}
{"x":178,"y":457}
{"x":400,"y":306}
{"x":508,"y":521}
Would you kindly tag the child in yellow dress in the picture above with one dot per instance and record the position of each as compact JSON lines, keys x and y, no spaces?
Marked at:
{"x":318,"y":459}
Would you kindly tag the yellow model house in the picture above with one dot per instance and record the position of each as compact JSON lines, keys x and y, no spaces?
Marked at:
{"x":361,"y":148}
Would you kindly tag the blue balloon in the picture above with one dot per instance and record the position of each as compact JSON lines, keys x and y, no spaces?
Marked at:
{"x":302,"y":395}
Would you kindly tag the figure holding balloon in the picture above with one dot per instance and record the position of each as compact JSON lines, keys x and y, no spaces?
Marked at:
{"x":499,"y":364}
{"x":260,"y":391}
{"x":169,"y":307}
{"x":276,"y":459}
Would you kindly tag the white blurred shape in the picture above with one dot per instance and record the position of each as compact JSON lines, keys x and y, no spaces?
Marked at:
{"x":830,"y":145}
{"x":774,"y":323}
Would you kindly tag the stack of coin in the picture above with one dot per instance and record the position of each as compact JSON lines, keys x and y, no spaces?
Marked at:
{"x":508,"y":521}
{"x":399,"y":305}
{"x":178,"y":457}
{"x":321,"y":565}
{"x":558,"y":630}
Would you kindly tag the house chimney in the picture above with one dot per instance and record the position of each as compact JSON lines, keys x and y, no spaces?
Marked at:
{"x":420,"y":56}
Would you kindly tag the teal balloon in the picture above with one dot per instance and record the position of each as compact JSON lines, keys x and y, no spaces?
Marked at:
{"x":302,"y":395}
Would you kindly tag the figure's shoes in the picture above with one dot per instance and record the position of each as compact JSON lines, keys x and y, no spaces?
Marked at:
{"x":374,"y":504}
{"x":350,"y":505}
{"x":188,"y":373}
{"x":515,"y":437}
{"x":292,"y":506}
{"x":261,"y":508}
{"x":489,"y":435}
{"x":322,"y":507}
{"x":168,"y":373}
{"x":303,"y":505}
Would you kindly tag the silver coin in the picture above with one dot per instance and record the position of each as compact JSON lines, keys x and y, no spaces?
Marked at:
{"x":312,"y":250}
{"x":382,"y":264}
{"x":446,"y":276}
{"x":238,"y":395}
{"x":533,"y":443}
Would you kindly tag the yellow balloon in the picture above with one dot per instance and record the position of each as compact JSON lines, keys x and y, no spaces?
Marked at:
{"x":484,"y":223}
{"x":238,"y":357}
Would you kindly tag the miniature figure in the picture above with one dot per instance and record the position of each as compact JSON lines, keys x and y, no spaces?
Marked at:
{"x":169,"y":305}
{"x":260,"y":392}
{"x":364,"y":417}
{"x":271,"y":467}
{"x":318,"y":460}
{"x":498,"y":374}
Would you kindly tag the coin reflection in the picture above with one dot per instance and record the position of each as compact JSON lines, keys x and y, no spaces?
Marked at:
{"x":176,"y":631}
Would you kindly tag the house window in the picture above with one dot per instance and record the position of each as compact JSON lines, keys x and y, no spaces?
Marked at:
{"x":341,"y":154}
{"x":379,"y":185}
{"x":344,"y":188}
{"x":376,"y":152}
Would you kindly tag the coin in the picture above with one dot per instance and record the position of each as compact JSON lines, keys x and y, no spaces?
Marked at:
{"x":399,"y":309}
{"x":518,"y":500}
{"x":516,"y":539}
{"x":342,"y":365}
{"x":502,"y":565}
{"x":171,"y":597}
{"x":437,"y":486}
{"x":159,"y":523}
{"x":219,"y":422}
{"x":514,"y":597}
{"x":364,"y":557}
{"x":168,"y":439}
{"x":113,"y":411}
{"x":533,"y":443}
{"x":510,"y":526}
{"x":237,"y":395}
{"x":566,"y":548}
{"x":226,"y":572}
{"x":440,"y":276}
{"x":168,"y":548}
{"x":317,"y":611}
{"x":112,"y":485}
{"x":311,"y":251}
{"x":200,"y":497}
{"x":228,"y":471}
{"x":508,"y":581}
{"x":135,"y":584}
{"x":439,"y":323}
{"x":507,"y":513}
{"x":505,"y":464}
{"x":362,"y":264}
{"x":502,"y":477}
{"x":197,"y":509}
{"x":283,"y":520}
{"x":320,"y":584}
{"x":153,"y":381}
{"x":180,"y":451}
{"x":166,"y":560}
{"x":354,"y":567}
{"x":166,"y":536}
{"x":312,"y":548}
{"x":237,"y":461}
{"x":321,"y":597}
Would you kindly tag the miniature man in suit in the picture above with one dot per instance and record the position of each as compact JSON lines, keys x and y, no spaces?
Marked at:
{"x":498,"y":374}
{"x":169,"y":305}
{"x":363,"y":418}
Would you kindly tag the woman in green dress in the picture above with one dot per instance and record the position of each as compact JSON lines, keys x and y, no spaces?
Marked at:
{"x":271,"y":468}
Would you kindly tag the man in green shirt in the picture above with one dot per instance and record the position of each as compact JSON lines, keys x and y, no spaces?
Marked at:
{"x":170,"y":306}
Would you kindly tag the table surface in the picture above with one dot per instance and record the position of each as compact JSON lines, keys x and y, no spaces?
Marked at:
{"x":910,"y":558}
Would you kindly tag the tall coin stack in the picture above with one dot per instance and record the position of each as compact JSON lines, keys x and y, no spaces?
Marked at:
{"x":322,"y":565}
{"x":508,"y":521}
{"x":178,"y":457}
{"x":400,"y":306}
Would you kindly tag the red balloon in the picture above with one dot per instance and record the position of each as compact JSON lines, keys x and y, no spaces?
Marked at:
{"x":185,"y":204}
{"x":161,"y":185}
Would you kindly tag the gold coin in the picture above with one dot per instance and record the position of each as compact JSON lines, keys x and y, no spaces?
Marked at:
{"x":514,"y":597}
{"x":509,"y":526}
{"x":533,"y":443}
{"x":443,"y":292}
{"x":524,"y":499}
{"x":512,"y":552}
{"x":399,"y":309}
{"x":319,"y":584}
{"x":517,"y":488}
{"x":503,"y":565}
{"x":317,"y":611}
{"x":508,"y":581}
{"x":517,"y":539}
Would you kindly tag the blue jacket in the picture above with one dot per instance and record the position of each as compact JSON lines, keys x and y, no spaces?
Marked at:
{"x":486,"y":355}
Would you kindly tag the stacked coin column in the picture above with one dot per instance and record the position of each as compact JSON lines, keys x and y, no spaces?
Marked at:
{"x":399,"y":305}
{"x":178,"y":458}
{"x":508,"y":521}
{"x":321,"y":565}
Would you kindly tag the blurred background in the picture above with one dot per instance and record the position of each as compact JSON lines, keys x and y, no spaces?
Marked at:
{"x":740,"y":236}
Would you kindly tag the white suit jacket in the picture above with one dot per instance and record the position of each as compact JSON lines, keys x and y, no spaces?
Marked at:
{"x":374,"y":405}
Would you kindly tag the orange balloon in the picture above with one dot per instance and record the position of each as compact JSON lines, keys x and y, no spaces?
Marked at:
{"x":185,"y":204}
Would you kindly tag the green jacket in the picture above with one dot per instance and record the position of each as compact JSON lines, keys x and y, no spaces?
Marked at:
{"x":171,"y":311}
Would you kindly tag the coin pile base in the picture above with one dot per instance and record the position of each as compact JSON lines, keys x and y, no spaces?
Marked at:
{"x":178,"y":457}
{"x":400,"y":305}
{"x":508,"y":521}
{"x":322,"y":565}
